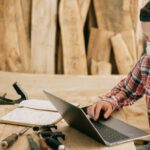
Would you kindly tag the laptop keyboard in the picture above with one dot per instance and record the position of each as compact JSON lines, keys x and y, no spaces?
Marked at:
{"x":109,"y":134}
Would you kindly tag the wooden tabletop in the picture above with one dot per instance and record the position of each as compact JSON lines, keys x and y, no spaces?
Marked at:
{"x":79,"y":89}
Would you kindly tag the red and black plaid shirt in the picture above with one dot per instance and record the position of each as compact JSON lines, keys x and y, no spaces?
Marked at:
{"x":133,"y":87}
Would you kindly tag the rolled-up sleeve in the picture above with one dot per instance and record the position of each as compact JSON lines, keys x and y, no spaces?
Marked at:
{"x":128,"y":90}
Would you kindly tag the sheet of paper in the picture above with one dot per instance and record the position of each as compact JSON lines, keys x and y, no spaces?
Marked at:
{"x":27,"y":116}
{"x":38,"y":104}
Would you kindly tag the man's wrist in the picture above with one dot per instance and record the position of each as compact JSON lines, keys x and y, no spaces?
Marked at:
{"x":112,"y":101}
{"x":113,"y":107}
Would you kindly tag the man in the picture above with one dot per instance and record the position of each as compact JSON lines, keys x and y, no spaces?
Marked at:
{"x":134,"y":86}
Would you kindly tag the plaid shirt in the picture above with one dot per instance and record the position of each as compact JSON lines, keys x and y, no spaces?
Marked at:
{"x":133,"y":87}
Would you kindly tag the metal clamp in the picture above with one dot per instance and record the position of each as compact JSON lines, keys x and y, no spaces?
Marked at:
{"x":7,"y":101}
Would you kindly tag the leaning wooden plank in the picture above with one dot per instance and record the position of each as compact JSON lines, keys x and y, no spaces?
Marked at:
{"x":100,"y":68}
{"x":11,"y":39}
{"x":91,"y":17}
{"x":43,"y":36}
{"x":129,"y":39}
{"x":3,"y":51}
{"x":134,"y":12}
{"x":126,"y":5}
{"x":72,"y":38}
{"x":23,"y":38}
{"x":113,"y":15}
{"x":13,"y":62}
{"x":26,"y":8}
{"x":126,"y":22}
{"x":11,"y":66}
{"x":99,"y":14}
{"x":99,"y":47}
{"x":93,"y":36}
{"x":122,"y":55}
{"x":83,"y":7}
{"x":109,"y":14}
{"x":102,"y":45}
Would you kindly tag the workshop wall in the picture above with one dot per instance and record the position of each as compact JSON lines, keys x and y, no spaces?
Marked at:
{"x":70,"y":36}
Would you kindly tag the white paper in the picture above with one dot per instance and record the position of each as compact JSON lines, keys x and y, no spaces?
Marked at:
{"x":38,"y":104}
{"x":31,"y":117}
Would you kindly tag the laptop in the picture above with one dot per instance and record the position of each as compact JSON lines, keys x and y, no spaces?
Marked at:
{"x":109,"y":132}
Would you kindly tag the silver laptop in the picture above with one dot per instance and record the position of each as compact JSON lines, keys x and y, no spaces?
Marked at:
{"x":109,"y":132}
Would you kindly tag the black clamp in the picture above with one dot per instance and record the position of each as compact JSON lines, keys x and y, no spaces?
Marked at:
{"x":52,"y":138}
{"x":6,"y":101}
{"x":54,"y":135}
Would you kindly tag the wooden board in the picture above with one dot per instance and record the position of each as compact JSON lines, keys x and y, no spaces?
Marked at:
{"x":23,"y":37}
{"x":92,"y":17}
{"x":113,"y":15}
{"x":93,"y":35}
{"x":26,"y":6}
{"x":2,"y":37}
{"x":135,"y":12}
{"x":11,"y":39}
{"x":99,"y":15}
{"x":129,"y":39}
{"x":126,"y":5}
{"x":72,"y":38}
{"x":43,"y":36}
{"x":83,"y":7}
{"x":13,"y":62}
{"x":122,"y":55}
{"x":99,"y":45}
{"x":100,"y":68}
{"x":99,"y":49}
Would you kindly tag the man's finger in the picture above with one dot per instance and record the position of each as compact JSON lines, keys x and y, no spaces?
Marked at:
{"x":108,"y":112}
{"x":98,"y":110}
{"x":91,"y":110}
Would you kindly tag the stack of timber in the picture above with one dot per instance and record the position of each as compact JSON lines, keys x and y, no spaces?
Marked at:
{"x":97,"y":37}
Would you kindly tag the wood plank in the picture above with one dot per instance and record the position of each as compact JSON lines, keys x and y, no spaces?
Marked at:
{"x":113,"y":15}
{"x":23,"y":38}
{"x":43,"y":36}
{"x":102,"y":46}
{"x":126,"y":5}
{"x":92,"y":17}
{"x":129,"y":39}
{"x":109,"y":14}
{"x":127,"y":23}
{"x":13,"y":62}
{"x":83,"y":7}
{"x":122,"y":55}
{"x":26,"y":6}
{"x":3,"y":50}
{"x":72,"y":38}
{"x":100,"y":68}
{"x":134,"y":12}
{"x":11,"y":39}
{"x":99,"y":15}
{"x":93,"y":35}
{"x":99,"y":45}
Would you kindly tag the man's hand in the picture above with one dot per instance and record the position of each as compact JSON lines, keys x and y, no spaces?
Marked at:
{"x":95,"y":109}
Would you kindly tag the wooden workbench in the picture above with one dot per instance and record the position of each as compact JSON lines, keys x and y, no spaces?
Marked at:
{"x":79,"y":89}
